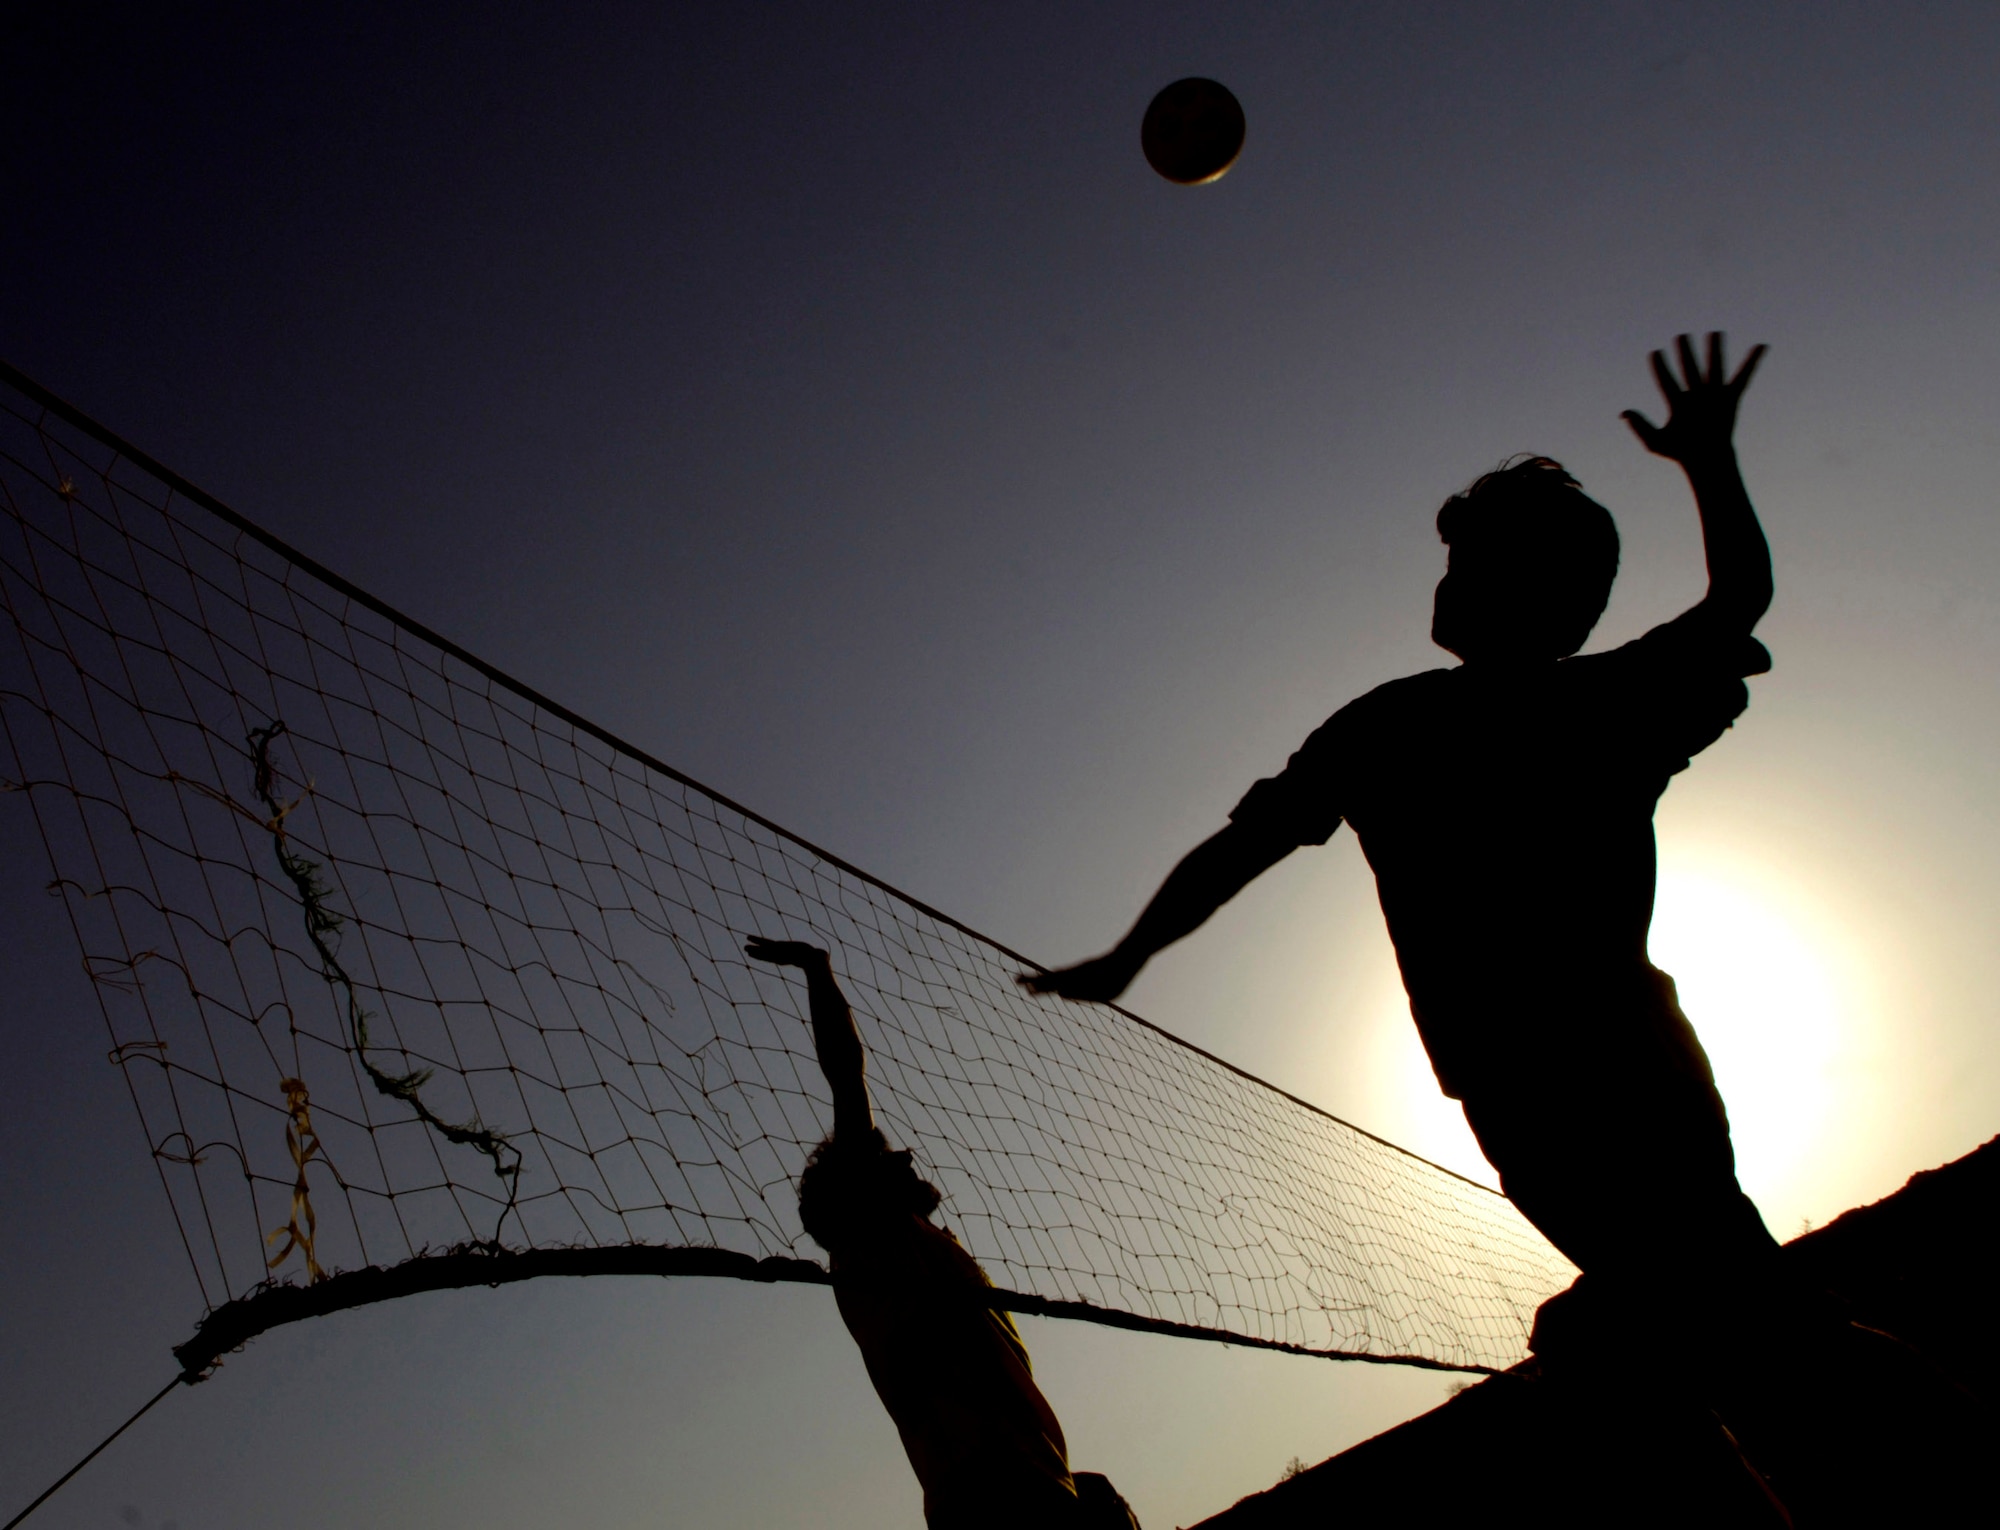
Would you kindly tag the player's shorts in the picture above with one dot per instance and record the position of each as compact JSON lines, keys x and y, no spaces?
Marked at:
{"x":1620,"y":1152}
{"x":1096,"y":1506}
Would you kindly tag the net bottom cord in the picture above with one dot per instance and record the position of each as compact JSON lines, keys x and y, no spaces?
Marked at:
{"x":232,"y":1325}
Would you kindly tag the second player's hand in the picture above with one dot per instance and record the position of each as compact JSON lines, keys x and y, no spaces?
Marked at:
{"x":785,"y":953}
{"x":1701,"y":403}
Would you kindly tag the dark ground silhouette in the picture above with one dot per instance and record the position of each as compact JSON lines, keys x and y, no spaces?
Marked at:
{"x":1919,"y":1264}
{"x":951,"y":1370}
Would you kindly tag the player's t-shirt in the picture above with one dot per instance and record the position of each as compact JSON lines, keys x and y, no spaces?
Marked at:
{"x":1508,"y":816}
{"x":952,"y":1372}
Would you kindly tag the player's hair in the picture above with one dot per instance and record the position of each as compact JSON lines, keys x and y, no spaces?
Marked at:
{"x":845,"y":1181}
{"x":1531,"y":517}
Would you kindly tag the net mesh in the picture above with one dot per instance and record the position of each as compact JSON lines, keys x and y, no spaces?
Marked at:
{"x":399,"y":957}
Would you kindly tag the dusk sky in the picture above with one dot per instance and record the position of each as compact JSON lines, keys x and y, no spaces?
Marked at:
{"x":830,"y":401}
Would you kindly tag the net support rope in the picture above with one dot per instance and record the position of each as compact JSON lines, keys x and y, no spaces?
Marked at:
{"x":418,"y":979}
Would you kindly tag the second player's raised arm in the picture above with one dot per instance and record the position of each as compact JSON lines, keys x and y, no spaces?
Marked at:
{"x":1208,"y":876}
{"x":1698,"y":434}
{"x":837,"y":1041}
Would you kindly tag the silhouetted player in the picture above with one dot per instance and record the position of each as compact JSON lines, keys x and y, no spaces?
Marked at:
{"x":1506,"y":807}
{"x":951,"y":1370}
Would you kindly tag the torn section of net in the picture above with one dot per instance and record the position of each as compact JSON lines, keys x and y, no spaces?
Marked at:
{"x":400,"y":959}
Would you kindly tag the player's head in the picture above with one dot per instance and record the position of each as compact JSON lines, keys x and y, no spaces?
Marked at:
{"x":1531,"y":565}
{"x":847,"y":1187}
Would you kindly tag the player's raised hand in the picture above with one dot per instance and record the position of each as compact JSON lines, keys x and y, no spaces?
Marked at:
{"x":1701,"y":403}
{"x":1099,"y":980}
{"x":785,"y":953}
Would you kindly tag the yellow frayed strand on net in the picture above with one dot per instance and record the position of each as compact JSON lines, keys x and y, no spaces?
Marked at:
{"x":303,"y":1142}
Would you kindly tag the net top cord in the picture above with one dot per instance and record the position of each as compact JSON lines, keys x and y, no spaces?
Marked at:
{"x":417,"y":978}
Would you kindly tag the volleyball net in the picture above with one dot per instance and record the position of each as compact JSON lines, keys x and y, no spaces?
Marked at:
{"x":418,"y":979}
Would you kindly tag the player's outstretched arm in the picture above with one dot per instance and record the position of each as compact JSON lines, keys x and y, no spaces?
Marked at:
{"x":1698,"y":434}
{"x":1212,"y":873}
{"x":835,"y":1037}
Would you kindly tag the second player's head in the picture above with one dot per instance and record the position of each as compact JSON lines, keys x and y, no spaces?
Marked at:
{"x":852,"y":1190}
{"x":1531,"y":564}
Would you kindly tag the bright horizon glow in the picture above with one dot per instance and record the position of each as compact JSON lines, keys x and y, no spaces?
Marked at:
{"x":1772,"y":994}
{"x":1772,"y":1014}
